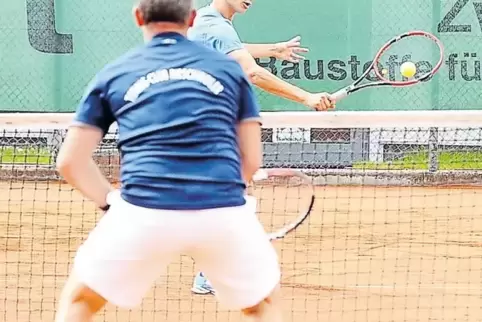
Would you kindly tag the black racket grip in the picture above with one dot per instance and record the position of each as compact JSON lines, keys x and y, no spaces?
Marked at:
{"x":339,"y":95}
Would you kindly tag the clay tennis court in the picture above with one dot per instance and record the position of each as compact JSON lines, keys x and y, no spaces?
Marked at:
{"x":366,"y":254}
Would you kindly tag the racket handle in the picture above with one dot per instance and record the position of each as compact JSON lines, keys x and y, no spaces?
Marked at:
{"x":341,"y":94}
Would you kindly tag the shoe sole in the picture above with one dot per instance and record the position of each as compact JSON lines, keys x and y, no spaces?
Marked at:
{"x":201,"y":291}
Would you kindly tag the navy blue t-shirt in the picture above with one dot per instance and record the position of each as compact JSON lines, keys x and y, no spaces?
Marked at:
{"x":177,"y":105}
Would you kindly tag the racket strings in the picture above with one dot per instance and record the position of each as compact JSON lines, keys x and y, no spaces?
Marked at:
{"x":423,"y":53}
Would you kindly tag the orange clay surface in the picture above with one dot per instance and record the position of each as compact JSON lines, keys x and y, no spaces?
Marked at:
{"x":364,"y":254}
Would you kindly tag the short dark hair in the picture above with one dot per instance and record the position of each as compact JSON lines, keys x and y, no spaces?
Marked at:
{"x":176,"y":11}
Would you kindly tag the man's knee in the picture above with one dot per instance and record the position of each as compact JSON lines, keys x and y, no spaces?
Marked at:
{"x":255,"y":310}
{"x":267,"y":304}
{"x":78,"y":297}
{"x":86,"y":296}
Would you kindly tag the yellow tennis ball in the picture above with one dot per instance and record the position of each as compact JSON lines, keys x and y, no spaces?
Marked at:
{"x":408,"y":69}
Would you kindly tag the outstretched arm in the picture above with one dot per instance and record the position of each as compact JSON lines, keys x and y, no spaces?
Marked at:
{"x":274,"y":85}
{"x":229,"y":43}
{"x":288,"y":50}
{"x":262,"y":50}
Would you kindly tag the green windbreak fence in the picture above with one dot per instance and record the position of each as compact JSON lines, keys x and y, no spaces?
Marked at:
{"x":49,"y":50}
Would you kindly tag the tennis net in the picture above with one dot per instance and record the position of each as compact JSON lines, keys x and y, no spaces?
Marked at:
{"x":395,"y":234}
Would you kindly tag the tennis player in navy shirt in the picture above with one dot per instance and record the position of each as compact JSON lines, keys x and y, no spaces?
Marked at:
{"x":189,"y":138}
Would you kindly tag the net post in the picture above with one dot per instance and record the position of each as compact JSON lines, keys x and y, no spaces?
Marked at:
{"x":433,"y":165}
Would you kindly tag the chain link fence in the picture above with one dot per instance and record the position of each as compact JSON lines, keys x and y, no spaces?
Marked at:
{"x":51,"y":49}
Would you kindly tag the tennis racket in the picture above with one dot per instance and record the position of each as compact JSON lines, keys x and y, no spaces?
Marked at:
{"x":285,"y":199}
{"x":420,"y":43}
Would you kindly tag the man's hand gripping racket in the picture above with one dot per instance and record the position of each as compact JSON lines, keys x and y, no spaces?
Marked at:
{"x":402,"y":42}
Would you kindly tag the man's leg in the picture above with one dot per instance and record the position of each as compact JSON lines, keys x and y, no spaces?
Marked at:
{"x":119,"y":261}
{"x":78,"y":303}
{"x":242,"y":264}
{"x":201,"y":284}
{"x":267,"y":310}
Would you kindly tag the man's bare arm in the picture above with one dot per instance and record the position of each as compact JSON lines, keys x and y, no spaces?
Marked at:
{"x":250,"y":147}
{"x":261,"y":50}
{"x":288,"y":50}
{"x":274,"y":85}
{"x":267,"y":81}
{"x":76,"y":165}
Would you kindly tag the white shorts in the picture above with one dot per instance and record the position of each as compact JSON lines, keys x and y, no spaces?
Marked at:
{"x":131,"y":247}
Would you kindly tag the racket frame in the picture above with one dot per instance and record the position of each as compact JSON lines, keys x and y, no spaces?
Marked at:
{"x":265,"y":174}
{"x":354,"y":87}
